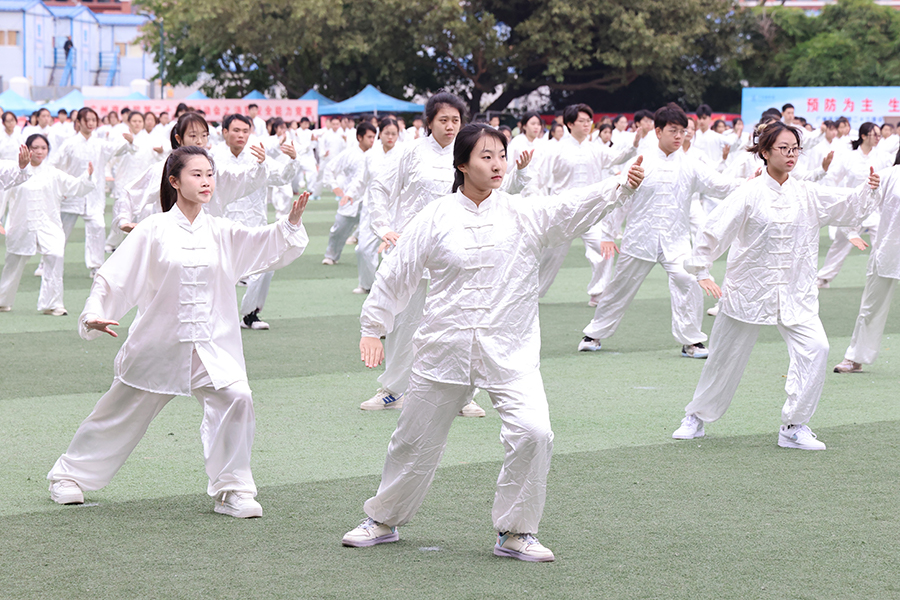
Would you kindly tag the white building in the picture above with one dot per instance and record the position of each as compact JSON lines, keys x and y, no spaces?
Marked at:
{"x":104,"y":49}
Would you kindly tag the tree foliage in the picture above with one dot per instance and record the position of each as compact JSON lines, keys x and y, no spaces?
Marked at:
{"x":611,"y":53}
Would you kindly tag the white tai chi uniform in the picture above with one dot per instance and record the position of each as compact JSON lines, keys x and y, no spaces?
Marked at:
{"x":184,"y":340}
{"x":330,"y":143}
{"x":770,"y":279}
{"x":479,"y":329}
{"x":348,"y":166}
{"x":849,"y":170}
{"x":424,"y":173}
{"x":129,"y":166}
{"x":249,"y":209}
{"x":882,"y":273}
{"x":658,"y":231}
{"x":73,"y":158}
{"x":377,"y":162}
{"x":568,"y":166}
{"x":33,"y":226}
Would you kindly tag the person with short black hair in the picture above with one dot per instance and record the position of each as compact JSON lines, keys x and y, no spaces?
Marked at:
{"x":346,"y":168}
{"x":658,"y":232}
{"x":479,"y":328}
{"x":770,"y":228}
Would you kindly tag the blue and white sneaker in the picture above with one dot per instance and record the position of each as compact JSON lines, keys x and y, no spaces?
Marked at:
{"x":382,"y":400}
{"x":369,"y":533}
{"x":697,"y":350}
{"x":800,"y":437}
{"x":522,"y":546}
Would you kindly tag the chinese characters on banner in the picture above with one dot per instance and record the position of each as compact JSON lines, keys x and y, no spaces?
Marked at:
{"x":289,"y":110}
{"x":817,"y":104}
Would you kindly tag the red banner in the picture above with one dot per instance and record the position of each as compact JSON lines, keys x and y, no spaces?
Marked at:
{"x":289,"y":110}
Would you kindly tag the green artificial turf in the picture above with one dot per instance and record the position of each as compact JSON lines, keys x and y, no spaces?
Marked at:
{"x":631,"y":513}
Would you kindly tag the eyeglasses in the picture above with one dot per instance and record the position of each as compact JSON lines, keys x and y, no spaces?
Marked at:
{"x":789,"y":150}
{"x":874,"y":135}
{"x":675,"y":132}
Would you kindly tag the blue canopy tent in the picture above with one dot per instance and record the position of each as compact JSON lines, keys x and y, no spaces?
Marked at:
{"x":136,"y":96}
{"x":255,"y":95}
{"x":370,"y":100}
{"x":198,"y":95}
{"x":74,"y":100}
{"x":16,"y":104}
{"x":313,"y":94}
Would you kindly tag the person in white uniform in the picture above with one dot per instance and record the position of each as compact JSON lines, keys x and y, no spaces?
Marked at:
{"x":249,"y":209}
{"x":658,"y":231}
{"x":73,"y":158}
{"x":179,"y":268}
{"x":480,"y":328}
{"x":381,"y":159}
{"x":575,"y":162}
{"x":340,"y":173}
{"x":771,"y":226}
{"x":882,"y":274}
{"x":330,"y":144}
{"x":33,"y":226}
{"x":304,"y":142}
{"x":424,"y":174}
{"x":850,"y":169}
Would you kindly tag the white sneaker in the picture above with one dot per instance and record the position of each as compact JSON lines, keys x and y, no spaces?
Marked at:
{"x":697,"y":350}
{"x":66,"y":491}
{"x":39,"y":272}
{"x":523,"y":546}
{"x":798,"y":436}
{"x":383,"y":399}
{"x":360,"y":290}
{"x":848,"y":366}
{"x":714,"y":311}
{"x":327,"y":261}
{"x":370,"y":533}
{"x":237,"y":504}
{"x":588,"y":344}
{"x":822,"y":284}
{"x":56,"y":312}
{"x":352,"y":240}
{"x":595,"y":299}
{"x":691,"y":427}
{"x":471,"y":410}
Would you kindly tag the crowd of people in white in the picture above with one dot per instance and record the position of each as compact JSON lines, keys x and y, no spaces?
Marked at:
{"x":458,"y":231}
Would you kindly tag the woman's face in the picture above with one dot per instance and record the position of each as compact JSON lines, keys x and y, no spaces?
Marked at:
{"x":281,"y":130}
{"x":606,"y":135}
{"x":720,"y":128}
{"x":389,"y":137}
{"x":486,"y":165}
{"x":149,"y":122}
{"x":113,"y":118}
{"x":88,"y":123}
{"x":135,"y":123}
{"x":784,"y":153}
{"x":39,"y":151}
{"x":445,"y":125}
{"x":196,"y":182}
{"x":558,"y":133}
{"x":534,"y":128}
{"x":195,"y":135}
{"x":9,"y":123}
{"x":621,"y":123}
{"x":872,"y":138}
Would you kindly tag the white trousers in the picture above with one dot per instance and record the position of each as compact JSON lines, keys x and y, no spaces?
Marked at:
{"x":340,"y":232}
{"x":687,"y":299}
{"x":94,"y":236}
{"x":418,"y":443}
{"x":282,"y":199}
{"x":257,"y":292}
{"x":398,"y":344}
{"x":837,"y":253}
{"x":107,"y":437}
{"x":51,"y":294}
{"x":873,"y":313}
{"x":732,"y":342}
{"x":366,"y":250}
{"x":552,"y":259}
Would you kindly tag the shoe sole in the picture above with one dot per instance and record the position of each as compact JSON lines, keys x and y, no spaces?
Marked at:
{"x":784,"y":442}
{"x":66,"y":500}
{"x":384,"y":539}
{"x":475,"y":416}
{"x":686,"y":355}
{"x":699,"y":434}
{"x":248,"y":514}
{"x":505,"y":552}
{"x":391,"y":406}
{"x":836,"y":370}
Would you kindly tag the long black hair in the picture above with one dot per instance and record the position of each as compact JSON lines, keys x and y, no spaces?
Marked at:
{"x":168,"y":195}
{"x":864,"y":130}
{"x":465,"y":142}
